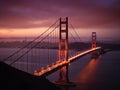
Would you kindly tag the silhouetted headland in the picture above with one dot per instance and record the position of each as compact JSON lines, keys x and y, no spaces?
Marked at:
{"x":13,"y":79}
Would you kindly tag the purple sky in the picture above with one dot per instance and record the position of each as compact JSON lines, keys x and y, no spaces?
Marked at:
{"x":102,"y":16}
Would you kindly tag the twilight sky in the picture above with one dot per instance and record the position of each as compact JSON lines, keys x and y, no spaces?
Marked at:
{"x":30,"y":17}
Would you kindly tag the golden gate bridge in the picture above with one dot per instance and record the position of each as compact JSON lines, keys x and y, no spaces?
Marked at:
{"x":58,"y":32}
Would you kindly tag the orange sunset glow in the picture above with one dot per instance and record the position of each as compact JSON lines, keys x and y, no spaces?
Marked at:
{"x":30,"y":32}
{"x":28,"y":18}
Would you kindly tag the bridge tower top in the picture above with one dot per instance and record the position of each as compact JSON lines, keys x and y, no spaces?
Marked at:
{"x":94,"y":40}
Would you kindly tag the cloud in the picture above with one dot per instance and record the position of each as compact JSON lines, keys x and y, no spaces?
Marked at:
{"x":40,"y":13}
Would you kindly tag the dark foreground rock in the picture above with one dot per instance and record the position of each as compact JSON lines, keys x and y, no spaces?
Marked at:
{"x":13,"y":79}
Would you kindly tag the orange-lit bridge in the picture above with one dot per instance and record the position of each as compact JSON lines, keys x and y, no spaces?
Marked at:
{"x":54,"y":67}
{"x":63,"y":61}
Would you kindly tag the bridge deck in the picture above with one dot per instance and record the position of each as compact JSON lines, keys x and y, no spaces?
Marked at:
{"x":50,"y":69}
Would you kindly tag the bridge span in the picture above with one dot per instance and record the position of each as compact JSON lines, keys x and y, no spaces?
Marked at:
{"x":54,"y":67}
{"x":63,"y":61}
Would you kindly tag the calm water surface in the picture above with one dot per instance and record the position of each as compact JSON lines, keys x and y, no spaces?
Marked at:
{"x":102,"y":73}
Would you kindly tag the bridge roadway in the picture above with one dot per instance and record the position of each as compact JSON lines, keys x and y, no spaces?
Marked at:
{"x":54,"y":67}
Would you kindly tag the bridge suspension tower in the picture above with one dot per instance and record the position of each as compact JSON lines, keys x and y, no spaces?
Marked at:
{"x":63,"y":49}
{"x":94,"y":45}
{"x":94,"y":40}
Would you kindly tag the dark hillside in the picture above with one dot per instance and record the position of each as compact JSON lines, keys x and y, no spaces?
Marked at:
{"x":13,"y":79}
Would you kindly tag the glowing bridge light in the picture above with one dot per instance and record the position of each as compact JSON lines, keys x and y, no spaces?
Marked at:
{"x":58,"y":63}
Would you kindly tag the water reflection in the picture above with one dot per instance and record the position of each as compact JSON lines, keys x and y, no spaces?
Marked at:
{"x":88,"y":72}
{"x":86,"y":76}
